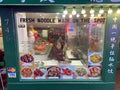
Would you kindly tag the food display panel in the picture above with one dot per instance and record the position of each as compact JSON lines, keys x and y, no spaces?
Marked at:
{"x":55,"y":47}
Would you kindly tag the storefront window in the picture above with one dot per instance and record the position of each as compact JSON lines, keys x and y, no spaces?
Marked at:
{"x":56,"y":47}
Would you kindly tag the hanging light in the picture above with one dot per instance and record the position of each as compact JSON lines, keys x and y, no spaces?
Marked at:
{"x":70,"y":16}
{"x":118,"y":11}
{"x":92,"y":15}
{"x":78,"y":15}
{"x":65,"y":12}
{"x":85,"y":15}
{"x":101,"y":10}
{"x":83,"y":10}
{"x":99,"y":15}
{"x":57,"y":13}
{"x":92,"y":10}
{"x":63,"y":15}
{"x":110,"y":10}
{"x":74,"y":11}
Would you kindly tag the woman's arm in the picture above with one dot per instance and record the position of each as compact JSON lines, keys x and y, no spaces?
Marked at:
{"x":59,"y":55}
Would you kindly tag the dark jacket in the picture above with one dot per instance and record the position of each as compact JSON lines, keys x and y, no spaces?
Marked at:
{"x":56,"y":54}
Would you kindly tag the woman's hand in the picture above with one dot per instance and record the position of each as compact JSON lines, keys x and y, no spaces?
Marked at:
{"x":66,"y":59}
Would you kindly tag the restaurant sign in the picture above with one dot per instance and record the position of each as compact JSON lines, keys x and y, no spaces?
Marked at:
{"x":112,"y":45}
{"x":61,"y":20}
{"x":20,"y":2}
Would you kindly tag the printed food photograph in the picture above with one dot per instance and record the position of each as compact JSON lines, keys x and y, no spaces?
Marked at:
{"x":53,"y":71}
{"x":67,"y":71}
{"x":26,"y":72}
{"x":81,"y":72}
{"x":38,"y":73}
{"x":95,"y":58}
{"x":27,"y":58}
{"x":94,"y":71}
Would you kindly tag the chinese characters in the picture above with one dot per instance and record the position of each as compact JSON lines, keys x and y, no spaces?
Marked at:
{"x":113,"y":43}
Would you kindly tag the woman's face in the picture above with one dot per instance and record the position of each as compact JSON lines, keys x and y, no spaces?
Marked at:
{"x":58,"y":45}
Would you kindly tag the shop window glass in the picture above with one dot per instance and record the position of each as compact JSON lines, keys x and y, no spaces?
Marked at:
{"x":53,"y":47}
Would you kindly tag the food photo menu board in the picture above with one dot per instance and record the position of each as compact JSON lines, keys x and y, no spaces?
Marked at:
{"x":53,"y":47}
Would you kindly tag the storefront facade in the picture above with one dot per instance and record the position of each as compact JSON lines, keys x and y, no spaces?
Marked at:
{"x":51,"y":44}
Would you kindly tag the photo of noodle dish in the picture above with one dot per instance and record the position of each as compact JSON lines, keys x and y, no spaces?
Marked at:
{"x":95,"y":58}
{"x":26,"y":73}
{"x":81,"y":71}
{"x":53,"y":72}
